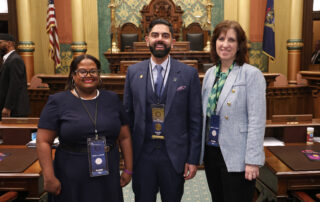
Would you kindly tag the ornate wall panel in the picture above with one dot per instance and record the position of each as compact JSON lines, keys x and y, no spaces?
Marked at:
{"x":257,"y":58}
{"x":66,"y":58}
{"x":129,"y":11}
{"x":194,"y":11}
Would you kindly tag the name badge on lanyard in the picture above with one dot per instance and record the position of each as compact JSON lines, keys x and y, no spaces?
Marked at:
{"x":213,"y":135}
{"x":98,"y":159}
{"x":157,"y":119}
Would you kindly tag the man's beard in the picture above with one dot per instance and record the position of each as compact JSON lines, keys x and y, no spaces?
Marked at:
{"x":3,"y":51}
{"x":160,"y":53}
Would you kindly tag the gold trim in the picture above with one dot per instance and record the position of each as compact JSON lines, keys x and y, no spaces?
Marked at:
{"x":159,"y":137}
{"x":294,"y":44}
{"x":270,"y":56}
{"x":208,"y":46}
{"x":114,"y":48}
{"x":78,"y":47}
{"x":26,"y":54}
{"x":209,"y":14}
{"x":26,"y":47}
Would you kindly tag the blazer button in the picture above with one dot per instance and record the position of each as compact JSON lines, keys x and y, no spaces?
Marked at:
{"x":226,"y":117}
{"x":233,"y":90}
{"x":229,"y":103}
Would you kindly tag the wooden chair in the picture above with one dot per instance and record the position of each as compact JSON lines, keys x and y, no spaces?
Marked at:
{"x":196,"y":36}
{"x":165,"y":9}
{"x":127,"y":34}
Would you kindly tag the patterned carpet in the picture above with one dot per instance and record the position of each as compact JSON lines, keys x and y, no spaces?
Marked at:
{"x":195,"y":190}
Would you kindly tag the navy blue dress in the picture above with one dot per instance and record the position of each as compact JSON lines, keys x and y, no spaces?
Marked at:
{"x":65,"y":114}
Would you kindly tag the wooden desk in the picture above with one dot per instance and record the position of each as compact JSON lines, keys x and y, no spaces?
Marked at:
{"x":290,"y":133}
{"x":30,"y":182}
{"x":115,"y":58}
{"x":276,"y":179}
{"x":18,"y":133}
{"x":313,"y":78}
{"x":113,"y":82}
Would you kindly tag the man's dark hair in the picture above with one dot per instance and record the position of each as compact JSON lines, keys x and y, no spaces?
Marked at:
{"x":160,"y":21}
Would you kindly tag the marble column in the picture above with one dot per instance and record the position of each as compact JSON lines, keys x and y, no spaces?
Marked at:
{"x":244,"y":17}
{"x":25,"y":46}
{"x":294,"y":43}
{"x":78,"y":46}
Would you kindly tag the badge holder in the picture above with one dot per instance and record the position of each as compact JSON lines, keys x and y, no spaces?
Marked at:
{"x":213,"y":135}
{"x":98,"y":159}
{"x":157,"y":120}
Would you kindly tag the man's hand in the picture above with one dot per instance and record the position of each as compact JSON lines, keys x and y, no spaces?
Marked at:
{"x":6,"y":112}
{"x":252,"y":172}
{"x":189,"y":171}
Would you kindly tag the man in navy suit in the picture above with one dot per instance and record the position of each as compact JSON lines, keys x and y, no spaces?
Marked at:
{"x":163,"y":100}
{"x":14,"y":101}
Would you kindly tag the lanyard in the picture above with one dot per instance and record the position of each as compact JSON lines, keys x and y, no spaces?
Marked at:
{"x":94,"y":121}
{"x":216,"y":80}
{"x":165,"y":73}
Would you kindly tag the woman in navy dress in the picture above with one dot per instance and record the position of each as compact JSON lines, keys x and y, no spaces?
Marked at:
{"x":79,"y":113}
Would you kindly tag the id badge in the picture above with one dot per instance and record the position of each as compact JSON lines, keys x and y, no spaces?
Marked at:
{"x":213,"y":136}
{"x":98,"y":161}
{"x":157,"y":118}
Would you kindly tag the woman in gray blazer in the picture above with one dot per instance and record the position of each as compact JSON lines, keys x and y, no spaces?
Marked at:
{"x":234,"y":111}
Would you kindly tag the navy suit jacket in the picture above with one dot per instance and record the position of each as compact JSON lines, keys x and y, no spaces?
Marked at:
{"x":13,"y":86}
{"x":183,"y":116}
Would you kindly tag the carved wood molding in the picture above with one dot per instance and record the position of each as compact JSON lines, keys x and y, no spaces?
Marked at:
{"x":286,"y":91}
{"x":165,"y":9}
{"x":313,"y":78}
{"x":38,"y":94}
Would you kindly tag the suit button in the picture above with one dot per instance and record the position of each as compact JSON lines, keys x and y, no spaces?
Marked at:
{"x":233,"y":90}
{"x":229,"y":103}
{"x":226,"y":117}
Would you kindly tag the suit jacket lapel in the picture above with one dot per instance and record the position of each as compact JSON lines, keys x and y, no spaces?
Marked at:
{"x":227,"y":86}
{"x":209,"y":85}
{"x":142,"y":76}
{"x":172,"y":83}
{"x":4,"y":63}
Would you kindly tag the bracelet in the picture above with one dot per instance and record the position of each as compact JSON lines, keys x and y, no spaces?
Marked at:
{"x":127,"y":171}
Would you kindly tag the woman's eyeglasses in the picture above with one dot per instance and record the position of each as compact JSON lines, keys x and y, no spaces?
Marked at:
{"x":83,"y":72}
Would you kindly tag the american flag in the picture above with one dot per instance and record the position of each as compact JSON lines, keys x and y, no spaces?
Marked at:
{"x":54,"y":49}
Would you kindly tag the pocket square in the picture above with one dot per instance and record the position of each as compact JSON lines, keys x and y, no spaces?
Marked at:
{"x":181,"y":88}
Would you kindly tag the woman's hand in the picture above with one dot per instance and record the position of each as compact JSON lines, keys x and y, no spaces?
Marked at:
{"x":125,"y":178}
{"x":252,"y":172}
{"x":126,"y":149}
{"x":52,"y":185}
